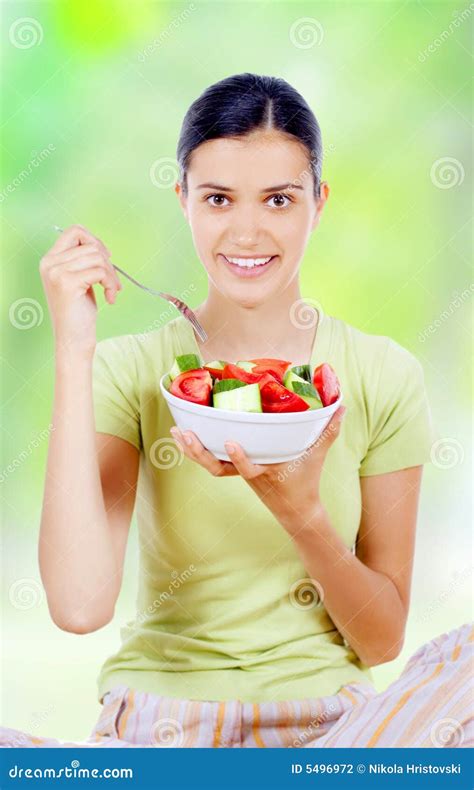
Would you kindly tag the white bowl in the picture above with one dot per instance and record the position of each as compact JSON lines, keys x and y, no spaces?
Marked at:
{"x":265,"y":437}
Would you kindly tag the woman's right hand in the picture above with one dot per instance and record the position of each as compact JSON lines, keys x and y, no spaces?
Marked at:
{"x":76,"y":262}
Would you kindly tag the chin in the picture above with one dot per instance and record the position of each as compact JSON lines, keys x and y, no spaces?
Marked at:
{"x":250,"y":300}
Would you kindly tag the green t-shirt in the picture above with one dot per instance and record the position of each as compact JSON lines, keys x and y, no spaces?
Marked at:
{"x":217,"y":616}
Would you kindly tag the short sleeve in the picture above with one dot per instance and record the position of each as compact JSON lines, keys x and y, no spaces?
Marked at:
{"x":401,"y":432}
{"x":115,"y":390}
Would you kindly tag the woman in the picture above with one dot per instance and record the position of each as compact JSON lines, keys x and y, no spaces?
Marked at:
{"x":266,"y":593}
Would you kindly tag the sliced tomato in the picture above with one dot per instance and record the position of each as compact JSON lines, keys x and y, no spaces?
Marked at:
{"x":235,"y":372}
{"x":194,"y":386}
{"x":277,"y":367}
{"x":215,"y":372}
{"x":277,"y":398}
{"x":326,"y":383}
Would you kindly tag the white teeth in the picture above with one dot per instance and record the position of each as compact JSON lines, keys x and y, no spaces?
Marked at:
{"x":247,"y":263}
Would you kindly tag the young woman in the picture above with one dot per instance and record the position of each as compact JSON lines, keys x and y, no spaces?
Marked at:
{"x":266,"y":593}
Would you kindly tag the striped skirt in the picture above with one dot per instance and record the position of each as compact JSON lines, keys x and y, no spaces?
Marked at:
{"x":429,"y":705}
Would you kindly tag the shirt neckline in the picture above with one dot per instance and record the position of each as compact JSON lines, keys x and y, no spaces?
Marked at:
{"x":320,"y":350}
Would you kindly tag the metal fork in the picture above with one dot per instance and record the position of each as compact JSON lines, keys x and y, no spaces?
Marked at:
{"x":178,"y":303}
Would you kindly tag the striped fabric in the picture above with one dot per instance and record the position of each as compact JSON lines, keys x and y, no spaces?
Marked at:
{"x":429,"y":705}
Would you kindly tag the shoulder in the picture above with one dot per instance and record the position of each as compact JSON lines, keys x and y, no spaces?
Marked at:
{"x":374,"y":356}
{"x":141,"y":355}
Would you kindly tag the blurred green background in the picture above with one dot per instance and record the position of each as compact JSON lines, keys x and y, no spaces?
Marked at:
{"x":93,"y":97}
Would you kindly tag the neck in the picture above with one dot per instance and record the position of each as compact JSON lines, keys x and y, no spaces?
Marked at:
{"x":283,"y":327}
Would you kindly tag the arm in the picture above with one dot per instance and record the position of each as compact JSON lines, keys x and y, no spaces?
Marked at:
{"x":87,"y":508}
{"x":366,"y":595}
{"x":90,"y":480}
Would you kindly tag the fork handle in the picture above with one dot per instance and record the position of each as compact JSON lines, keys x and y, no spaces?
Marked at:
{"x":132,"y":279}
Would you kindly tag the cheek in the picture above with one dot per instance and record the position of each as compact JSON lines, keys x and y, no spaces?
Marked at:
{"x":205,"y":228}
{"x":292,"y":233}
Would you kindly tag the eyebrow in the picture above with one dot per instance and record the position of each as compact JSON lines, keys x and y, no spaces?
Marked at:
{"x":267,"y":189}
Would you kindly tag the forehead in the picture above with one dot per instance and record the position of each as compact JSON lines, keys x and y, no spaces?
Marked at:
{"x":258,"y":159}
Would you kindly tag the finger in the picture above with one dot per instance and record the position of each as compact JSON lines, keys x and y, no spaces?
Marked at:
{"x":84,"y":261}
{"x":71,"y":237}
{"x":197,"y":452}
{"x":92,"y":261}
{"x":75,"y":236}
{"x":94,"y":275}
{"x":97,"y":245}
{"x":77,"y":253}
{"x":330,"y":431}
{"x":242,"y":463}
{"x":86,"y":255}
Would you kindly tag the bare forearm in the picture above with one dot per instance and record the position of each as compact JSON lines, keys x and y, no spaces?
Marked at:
{"x":76,"y":553}
{"x":364,"y":604}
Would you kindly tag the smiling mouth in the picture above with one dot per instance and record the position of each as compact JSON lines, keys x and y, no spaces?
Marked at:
{"x":249,"y":263}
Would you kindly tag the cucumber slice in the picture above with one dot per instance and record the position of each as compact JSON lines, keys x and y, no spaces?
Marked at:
{"x":303,"y":371}
{"x":185,"y":362}
{"x":228,"y":384}
{"x":248,"y":366}
{"x":309,"y":394}
{"x":217,"y":364}
{"x":290,"y":377}
{"x":303,"y":388}
{"x":241,"y":397}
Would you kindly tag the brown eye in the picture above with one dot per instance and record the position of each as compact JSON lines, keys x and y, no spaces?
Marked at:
{"x":281,"y":198}
{"x":211,"y":198}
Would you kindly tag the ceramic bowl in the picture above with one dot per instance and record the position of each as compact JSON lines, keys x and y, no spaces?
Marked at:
{"x":265,"y":437}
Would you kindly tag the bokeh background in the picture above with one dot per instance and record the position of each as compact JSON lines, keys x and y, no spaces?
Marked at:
{"x":92,"y":102}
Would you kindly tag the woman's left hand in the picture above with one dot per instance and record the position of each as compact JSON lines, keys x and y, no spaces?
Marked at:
{"x":288,"y":488}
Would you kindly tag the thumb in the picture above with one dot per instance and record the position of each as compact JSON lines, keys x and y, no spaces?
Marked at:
{"x":331,"y":431}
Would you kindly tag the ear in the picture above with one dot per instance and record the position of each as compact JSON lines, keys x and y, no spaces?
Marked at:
{"x":320,"y":202}
{"x":179,"y":191}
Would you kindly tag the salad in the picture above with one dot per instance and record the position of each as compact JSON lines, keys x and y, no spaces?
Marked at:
{"x":255,"y":385}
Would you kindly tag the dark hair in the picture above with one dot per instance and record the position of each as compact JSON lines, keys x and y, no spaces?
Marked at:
{"x":238,"y":105}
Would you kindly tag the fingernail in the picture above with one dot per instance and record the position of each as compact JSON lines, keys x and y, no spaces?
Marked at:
{"x":187,"y":438}
{"x":230,"y":448}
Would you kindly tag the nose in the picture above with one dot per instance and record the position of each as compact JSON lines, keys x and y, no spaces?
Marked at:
{"x":244,"y":229}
